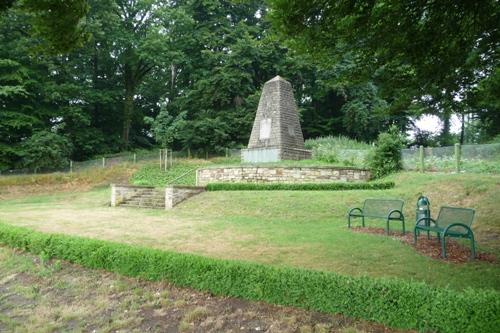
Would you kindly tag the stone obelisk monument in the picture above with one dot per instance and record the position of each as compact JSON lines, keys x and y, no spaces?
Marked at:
{"x":276,"y":133}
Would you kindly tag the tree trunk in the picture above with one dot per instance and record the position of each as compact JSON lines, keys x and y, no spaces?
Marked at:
{"x":128,"y":106}
{"x":95,"y":78}
{"x":445,"y":132}
{"x":128,"y":109}
{"x":462,"y":130}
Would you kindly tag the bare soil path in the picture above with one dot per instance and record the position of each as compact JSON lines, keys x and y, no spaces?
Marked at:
{"x":37,"y":295}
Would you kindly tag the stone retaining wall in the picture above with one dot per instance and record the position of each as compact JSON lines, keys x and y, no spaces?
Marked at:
{"x":176,"y":194}
{"x":283,"y":174}
{"x":120,"y":193}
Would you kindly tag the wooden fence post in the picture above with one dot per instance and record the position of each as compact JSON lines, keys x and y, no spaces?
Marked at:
{"x":458,"y":153}
{"x":70,"y":166}
{"x":104,"y":162}
{"x":135,"y":158}
{"x":166,"y":158}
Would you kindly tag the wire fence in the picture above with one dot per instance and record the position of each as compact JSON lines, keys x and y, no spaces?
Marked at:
{"x":466,"y":158}
{"x":164,"y":160}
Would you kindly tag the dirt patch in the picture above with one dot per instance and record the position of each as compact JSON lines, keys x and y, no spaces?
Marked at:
{"x":45,"y":295}
{"x":455,"y":252}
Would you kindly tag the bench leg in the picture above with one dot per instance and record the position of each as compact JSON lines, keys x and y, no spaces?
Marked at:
{"x":415,"y":231}
{"x":403,"y":221}
{"x":387,"y":227}
{"x":363,"y":221}
{"x":443,"y":247}
{"x":472,"y":247}
{"x":349,"y":221}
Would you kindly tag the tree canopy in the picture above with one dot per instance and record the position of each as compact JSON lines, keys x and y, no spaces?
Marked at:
{"x":101,"y":76}
{"x":432,"y":53}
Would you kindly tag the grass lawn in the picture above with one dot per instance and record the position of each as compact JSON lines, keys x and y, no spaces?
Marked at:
{"x":292,"y":228}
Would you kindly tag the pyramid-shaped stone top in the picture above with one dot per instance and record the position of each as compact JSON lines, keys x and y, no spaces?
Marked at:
{"x":277,"y":120}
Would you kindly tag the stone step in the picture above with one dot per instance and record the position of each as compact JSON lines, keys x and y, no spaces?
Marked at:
{"x":142,"y":206}
{"x":159,"y":196}
{"x":152,"y":197}
{"x":149,"y":195}
{"x":144,"y":203}
{"x":146,"y":199}
{"x":142,"y":200}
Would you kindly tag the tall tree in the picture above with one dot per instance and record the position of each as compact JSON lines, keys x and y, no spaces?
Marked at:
{"x":410,"y":49}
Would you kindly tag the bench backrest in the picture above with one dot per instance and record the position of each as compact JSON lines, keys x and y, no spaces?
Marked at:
{"x":450,"y":215}
{"x":381,"y":207}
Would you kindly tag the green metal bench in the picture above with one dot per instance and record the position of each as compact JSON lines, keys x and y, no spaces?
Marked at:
{"x":387,"y":209}
{"x":451,"y":222}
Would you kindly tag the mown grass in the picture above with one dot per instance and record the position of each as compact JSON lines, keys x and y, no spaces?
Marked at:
{"x":291,"y":228}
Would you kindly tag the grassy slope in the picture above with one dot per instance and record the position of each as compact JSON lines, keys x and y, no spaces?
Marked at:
{"x":297,"y":228}
{"x":23,"y":185}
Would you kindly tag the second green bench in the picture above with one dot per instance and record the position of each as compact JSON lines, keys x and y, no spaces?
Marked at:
{"x":387,"y":209}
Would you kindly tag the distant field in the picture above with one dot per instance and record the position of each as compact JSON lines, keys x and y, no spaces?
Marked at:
{"x":293,"y":228}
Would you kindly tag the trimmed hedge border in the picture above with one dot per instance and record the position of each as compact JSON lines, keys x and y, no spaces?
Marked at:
{"x":393,"y":302}
{"x":299,"y":186}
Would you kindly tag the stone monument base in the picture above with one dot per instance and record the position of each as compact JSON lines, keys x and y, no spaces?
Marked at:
{"x":273,"y":154}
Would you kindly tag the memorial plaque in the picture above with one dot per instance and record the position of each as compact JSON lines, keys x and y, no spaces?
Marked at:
{"x":265,"y":129}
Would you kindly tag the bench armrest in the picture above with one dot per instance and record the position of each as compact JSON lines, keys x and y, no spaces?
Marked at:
{"x":354,"y":209}
{"x":395,"y":211}
{"x":430,"y":219}
{"x":466,"y":227}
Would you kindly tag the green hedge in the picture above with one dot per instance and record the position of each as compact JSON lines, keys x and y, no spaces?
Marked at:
{"x":389,"y":301}
{"x":299,"y":186}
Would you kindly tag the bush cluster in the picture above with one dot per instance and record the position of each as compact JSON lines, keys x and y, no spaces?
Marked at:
{"x":389,"y":301}
{"x":386,"y":157}
{"x":299,"y":186}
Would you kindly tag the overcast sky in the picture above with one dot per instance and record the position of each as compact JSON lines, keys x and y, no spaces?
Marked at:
{"x":434,"y":124}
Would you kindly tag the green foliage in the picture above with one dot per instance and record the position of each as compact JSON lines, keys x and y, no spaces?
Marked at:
{"x":46,"y":150}
{"x":299,"y":186}
{"x":166,"y":128}
{"x":386,"y":157}
{"x":388,"y":301}
{"x":363,"y":112}
{"x":340,"y":142}
{"x":339,"y":150}
{"x":57,"y":22}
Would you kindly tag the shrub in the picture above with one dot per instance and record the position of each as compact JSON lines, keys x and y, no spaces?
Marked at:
{"x":46,"y":150}
{"x":389,"y":301}
{"x":386,"y":157}
{"x":299,"y":186}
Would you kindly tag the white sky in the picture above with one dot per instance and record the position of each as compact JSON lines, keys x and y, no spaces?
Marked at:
{"x":434,"y":124}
